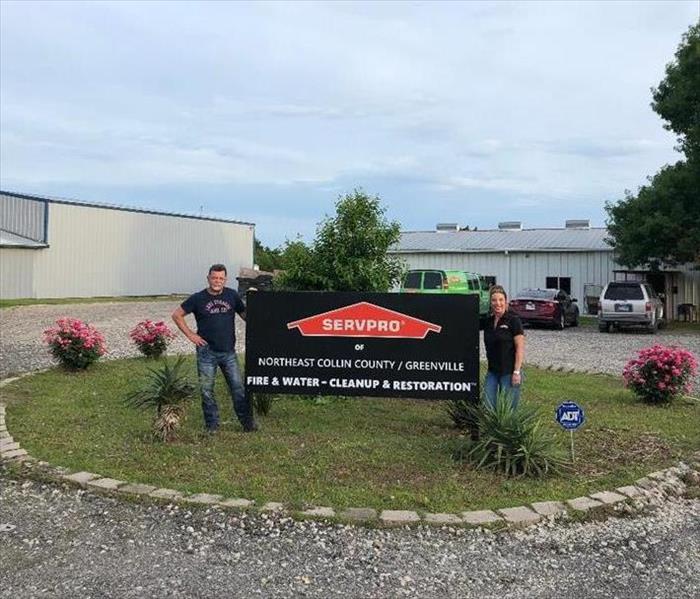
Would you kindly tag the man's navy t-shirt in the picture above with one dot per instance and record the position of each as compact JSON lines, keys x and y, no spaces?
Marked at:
{"x":215,"y":316}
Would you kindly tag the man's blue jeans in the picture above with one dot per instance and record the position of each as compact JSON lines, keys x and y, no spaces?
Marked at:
{"x":207,"y":362}
{"x":495,"y":383}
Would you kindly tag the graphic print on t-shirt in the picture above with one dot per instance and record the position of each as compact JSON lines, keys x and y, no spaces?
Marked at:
{"x":217,"y":306}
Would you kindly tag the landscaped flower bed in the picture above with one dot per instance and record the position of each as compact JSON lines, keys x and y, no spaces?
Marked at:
{"x":381,"y":453}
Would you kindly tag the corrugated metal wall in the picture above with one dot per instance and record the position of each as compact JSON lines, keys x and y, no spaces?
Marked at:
{"x":688,"y":283}
{"x":17,"y":273}
{"x":518,"y":270}
{"x":22,"y":216}
{"x":103,"y":252}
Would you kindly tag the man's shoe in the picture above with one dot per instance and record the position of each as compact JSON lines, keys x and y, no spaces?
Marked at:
{"x":250,"y":428}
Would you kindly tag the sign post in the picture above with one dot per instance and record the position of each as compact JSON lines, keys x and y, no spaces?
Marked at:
{"x":570,"y":416}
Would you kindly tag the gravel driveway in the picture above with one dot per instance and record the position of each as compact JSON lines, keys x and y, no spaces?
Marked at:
{"x":22,"y":350}
{"x":582,"y":348}
{"x":62,"y":542}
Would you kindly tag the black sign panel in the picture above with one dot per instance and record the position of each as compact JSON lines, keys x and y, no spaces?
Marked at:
{"x":367,"y":344}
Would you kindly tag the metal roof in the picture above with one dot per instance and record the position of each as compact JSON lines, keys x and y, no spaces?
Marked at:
{"x":8,"y":239}
{"x":71,"y":202}
{"x":525,"y":240}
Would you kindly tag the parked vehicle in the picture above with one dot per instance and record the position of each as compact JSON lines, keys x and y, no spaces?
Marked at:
{"x":447,"y":281}
{"x":630,"y":304}
{"x":553,"y":307}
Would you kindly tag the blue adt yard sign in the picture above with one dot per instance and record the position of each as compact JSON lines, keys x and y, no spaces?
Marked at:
{"x":570,"y":415}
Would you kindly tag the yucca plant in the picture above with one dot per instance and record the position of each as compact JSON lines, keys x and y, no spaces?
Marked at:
{"x":461,"y":412}
{"x":513,"y":440}
{"x":167,"y":388}
{"x":262,"y":402}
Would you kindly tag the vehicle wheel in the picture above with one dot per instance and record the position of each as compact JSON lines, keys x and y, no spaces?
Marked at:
{"x":562,"y":321}
{"x":661,"y":321}
{"x":654,"y":325}
{"x":574,"y":322}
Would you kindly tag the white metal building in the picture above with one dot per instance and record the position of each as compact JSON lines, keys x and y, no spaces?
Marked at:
{"x":575,"y":258}
{"x":57,"y":248}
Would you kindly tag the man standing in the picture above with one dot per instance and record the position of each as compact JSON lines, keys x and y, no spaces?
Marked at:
{"x":215,"y":309}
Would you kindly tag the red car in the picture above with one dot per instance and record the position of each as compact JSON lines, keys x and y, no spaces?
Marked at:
{"x":553,"y":307}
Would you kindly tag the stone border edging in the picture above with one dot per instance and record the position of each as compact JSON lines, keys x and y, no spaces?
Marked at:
{"x":656,"y":485}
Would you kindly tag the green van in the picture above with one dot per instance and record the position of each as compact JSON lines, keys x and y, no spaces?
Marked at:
{"x":447,"y":281}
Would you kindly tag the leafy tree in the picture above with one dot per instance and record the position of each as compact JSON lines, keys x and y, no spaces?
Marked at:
{"x":677,"y":99}
{"x":266,"y":258}
{"x":349,"y":252}
{"x":661,"y":223}
{"x":301,"y":272}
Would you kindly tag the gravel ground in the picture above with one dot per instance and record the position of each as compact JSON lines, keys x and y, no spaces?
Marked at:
{"x":582,"y":348}
{"x":62,"y":542}
{"x":22,"y":350}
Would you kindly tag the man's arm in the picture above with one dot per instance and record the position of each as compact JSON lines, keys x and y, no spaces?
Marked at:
{"x":179,"y":319}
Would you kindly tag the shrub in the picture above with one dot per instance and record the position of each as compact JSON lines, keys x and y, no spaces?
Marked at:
{"x":151,"y":338}
{"x":74,"y":343}
{"x":262,"y":402}
{"x":512,"y":440}
{"x":660,"y":373}
{"x":461,"y":412}
{"x":167,"y":389}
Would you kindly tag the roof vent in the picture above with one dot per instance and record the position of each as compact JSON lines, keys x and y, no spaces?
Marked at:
{"x":510,"y":225}
{"x":578,"y":224}
{"x":442,"y":227}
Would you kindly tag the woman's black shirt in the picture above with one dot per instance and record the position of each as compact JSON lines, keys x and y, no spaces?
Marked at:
{"x":500,"y":347}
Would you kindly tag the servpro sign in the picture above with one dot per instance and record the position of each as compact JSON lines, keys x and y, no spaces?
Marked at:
{"x":364,"y":320}
{"x":392,"y":345}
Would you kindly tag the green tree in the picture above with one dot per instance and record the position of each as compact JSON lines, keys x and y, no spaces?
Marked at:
{"x":301,"y":272}
{"x":677,"y":99}
{"x":349,"y":252}
{"x":266,"y":258}
{"x":661,"y":223}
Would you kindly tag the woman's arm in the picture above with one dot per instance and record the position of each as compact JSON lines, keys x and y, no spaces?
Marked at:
{"x":519,"y":342}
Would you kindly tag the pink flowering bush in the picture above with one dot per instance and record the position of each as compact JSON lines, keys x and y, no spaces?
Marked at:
{"x":74,"y":343}
{"x":151,"y":338}
{"x":660,"y":373}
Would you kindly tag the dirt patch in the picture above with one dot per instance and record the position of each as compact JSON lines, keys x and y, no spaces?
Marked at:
{"x":602,"y":450}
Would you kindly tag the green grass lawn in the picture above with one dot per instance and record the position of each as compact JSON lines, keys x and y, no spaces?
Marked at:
{"x":678,"y":326}
{"x":382,"y":453}
{"x":10,"y":303}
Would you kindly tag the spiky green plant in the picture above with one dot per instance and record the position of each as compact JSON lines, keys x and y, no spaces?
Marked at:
{"x":461,"y":412}
{"x":262,"y":402}
{"x":513,"y":440}
{"x":167,"y":388}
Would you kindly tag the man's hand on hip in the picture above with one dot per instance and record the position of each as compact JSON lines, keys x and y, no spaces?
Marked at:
{"x":197,"y":340}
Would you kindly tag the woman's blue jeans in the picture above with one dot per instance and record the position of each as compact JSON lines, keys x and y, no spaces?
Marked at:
{"x":208,"y":361}
{"x":495,"y":383}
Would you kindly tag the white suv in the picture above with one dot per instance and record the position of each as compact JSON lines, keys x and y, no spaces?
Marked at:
{"x":629,"y":304}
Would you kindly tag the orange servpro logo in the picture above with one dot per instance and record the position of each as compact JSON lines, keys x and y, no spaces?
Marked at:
{"x":364,"y":320}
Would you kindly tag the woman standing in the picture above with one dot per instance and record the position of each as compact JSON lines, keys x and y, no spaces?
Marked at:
{"x":505,"y":349}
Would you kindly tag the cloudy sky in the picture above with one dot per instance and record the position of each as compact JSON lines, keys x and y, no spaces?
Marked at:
{"x":266,"y":112}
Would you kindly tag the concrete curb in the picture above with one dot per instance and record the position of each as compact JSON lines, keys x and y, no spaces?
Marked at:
{"x":657,"y":484}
